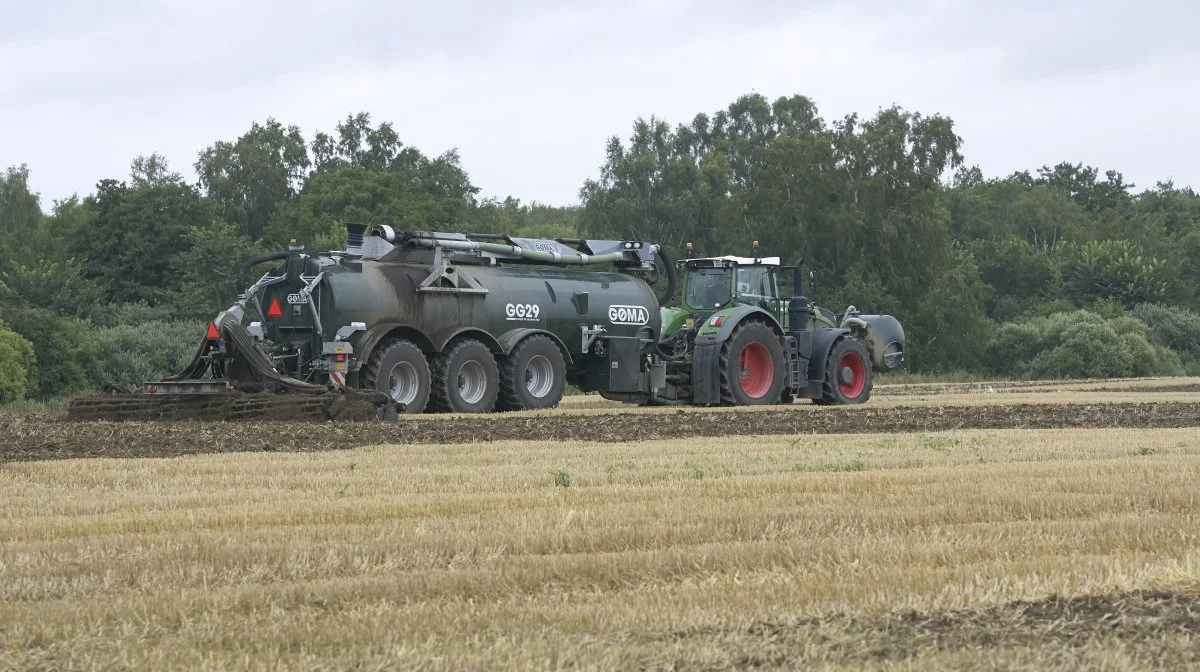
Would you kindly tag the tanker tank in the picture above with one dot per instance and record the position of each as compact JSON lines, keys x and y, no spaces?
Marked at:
{"x":435,"y":291}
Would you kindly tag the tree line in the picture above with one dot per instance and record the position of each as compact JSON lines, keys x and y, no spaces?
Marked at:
{"x":1062,"y":271}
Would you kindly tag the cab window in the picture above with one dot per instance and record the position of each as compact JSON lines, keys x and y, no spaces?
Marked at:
{"x":756,"y":282}
{"x":707,"y":288}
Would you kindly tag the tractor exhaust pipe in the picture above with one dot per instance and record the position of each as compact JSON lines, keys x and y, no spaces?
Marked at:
{"x":354,"y":239}
{"x":798,"y":305}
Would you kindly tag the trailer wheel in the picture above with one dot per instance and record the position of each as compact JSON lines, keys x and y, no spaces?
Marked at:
{"x":848,"y":374}
{"x":532,"y":376}
{"x":753,"y":366}
{"x":465,"y":379}
{"x":399,"y":369}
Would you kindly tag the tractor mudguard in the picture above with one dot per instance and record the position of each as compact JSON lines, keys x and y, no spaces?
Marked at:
{"x":509,"y":339}
{"x":706,"y":374}
{"x":823,"y":341}
{"x":730,"y":319}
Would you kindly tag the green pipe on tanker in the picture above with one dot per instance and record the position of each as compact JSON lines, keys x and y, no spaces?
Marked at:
{"x":532,"y":255}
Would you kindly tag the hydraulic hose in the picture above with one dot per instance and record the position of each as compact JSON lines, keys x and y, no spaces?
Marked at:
{"x":251,"y":263}
{"x":672,"y":277}
{"x":260,"y":364}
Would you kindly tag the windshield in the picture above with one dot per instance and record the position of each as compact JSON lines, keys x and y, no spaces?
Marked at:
{"x":755,"y":282}
{"x":707,"y":287}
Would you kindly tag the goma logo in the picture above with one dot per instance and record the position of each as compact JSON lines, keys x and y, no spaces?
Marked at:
{"x":635,"y":315}
{"x":525,"y":312}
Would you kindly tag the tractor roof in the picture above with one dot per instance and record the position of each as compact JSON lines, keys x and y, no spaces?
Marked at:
{"x":741,"y":261}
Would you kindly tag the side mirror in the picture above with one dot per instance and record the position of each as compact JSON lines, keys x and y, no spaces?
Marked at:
{"x":812,"y":281}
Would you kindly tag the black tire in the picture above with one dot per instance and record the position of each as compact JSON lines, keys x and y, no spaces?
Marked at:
{"x":399,"y":369}
{"x":848,"y":374}
{"x":753,"y":366}
{"x":465,"y":379}
{"x":532,"y":376}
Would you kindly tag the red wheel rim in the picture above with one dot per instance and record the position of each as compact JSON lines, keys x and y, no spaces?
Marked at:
{"x":852,"y":375}
{"x":755,"y":373}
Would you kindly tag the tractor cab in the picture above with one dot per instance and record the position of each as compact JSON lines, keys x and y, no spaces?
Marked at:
{"x":714,"y":283}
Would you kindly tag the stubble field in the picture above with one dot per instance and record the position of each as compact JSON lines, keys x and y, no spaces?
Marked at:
{"x":1031,"y":527}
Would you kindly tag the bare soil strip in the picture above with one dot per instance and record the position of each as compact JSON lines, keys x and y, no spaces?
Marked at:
{"x":1139,"y":623}
{"x":24,"y":438}
{"x":1143,"y":385}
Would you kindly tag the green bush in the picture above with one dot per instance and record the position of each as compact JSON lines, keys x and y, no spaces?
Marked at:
{"x":1079,"y":344}
{"x":54,"y":285}
{"x":117,"y":314}
{"x":1174,"y":327}
{"x":16,"y":364}
{"x":1114,"y":269}
{"x":131,"y":354}
{"x":63,"y":347}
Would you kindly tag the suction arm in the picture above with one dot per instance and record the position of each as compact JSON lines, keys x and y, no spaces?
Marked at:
{"x":251,"y":263}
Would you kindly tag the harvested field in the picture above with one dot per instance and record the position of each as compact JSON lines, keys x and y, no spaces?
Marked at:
{"x":972,"y":549}
{"x":1035,"y":526}
{"x":46,"y":437}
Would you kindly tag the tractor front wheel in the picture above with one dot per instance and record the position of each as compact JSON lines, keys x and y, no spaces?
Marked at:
{"x":753,"y":366}
{"x":848,"y":374}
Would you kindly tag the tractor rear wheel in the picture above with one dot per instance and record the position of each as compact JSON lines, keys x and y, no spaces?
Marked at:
{"x":532,"y":376}
{"x":848,"y":374}
{"x":399,"y":369}
{"x":753,"y":366}
{"x":465,"y":379}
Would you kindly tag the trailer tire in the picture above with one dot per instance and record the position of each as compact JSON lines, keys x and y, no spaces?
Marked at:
{"x":532,"y":376}
{"x":465,"y":379}
{"x":399,"y":369}
{"x":753,"y":366}
{"x":848,"y":374}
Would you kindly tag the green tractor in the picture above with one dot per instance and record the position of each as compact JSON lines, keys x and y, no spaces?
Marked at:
{"x":731,"y":337}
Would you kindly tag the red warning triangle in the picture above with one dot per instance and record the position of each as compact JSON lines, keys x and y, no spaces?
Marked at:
{"x":212,"y":334}
{"x":275,"y":310}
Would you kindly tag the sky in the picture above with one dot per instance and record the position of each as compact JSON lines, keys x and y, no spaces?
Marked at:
{"x":528,"y":91}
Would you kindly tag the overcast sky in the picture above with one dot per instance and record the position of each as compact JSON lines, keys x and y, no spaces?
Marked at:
{"x":529,"y":90}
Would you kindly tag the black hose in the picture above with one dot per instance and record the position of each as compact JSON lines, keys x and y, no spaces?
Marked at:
{"x":260,"y":364}
{"x":251,"y":263}
{"x":672,"y":278}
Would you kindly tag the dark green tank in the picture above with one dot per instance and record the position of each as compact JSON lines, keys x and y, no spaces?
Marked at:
{"x":434,"y":289}
{"x":559,"y":301}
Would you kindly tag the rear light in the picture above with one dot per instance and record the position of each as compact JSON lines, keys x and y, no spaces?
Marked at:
{"x":716,"y":320}
{"x":339,"y":358}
